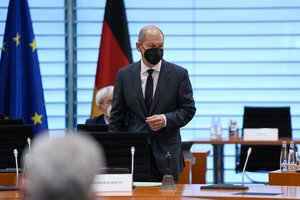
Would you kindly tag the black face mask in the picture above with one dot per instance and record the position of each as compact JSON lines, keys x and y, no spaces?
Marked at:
{"x":153,"y":55}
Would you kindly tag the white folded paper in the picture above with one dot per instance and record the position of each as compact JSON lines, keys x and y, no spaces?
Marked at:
{"x":269,"y":134}
{"x":112,"y":183}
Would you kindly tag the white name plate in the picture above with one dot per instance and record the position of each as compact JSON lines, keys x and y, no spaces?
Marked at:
{"x":112,"y":183}
{"x":269,"y":134}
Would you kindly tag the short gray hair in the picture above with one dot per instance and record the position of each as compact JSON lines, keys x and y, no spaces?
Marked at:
{"x":63,"y":168}
{"x":102,"y":93}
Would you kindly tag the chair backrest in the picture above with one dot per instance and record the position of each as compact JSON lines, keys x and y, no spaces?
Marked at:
{"x":11,"y":122}
{"x":13,"y":137}
{"x":186,"y":150}
{"x":92,"y":127}
{"x":117,"y":149}
{"x":264,"y":157}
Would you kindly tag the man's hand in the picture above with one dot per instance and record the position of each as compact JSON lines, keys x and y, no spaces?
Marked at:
{"x":156,"y":122}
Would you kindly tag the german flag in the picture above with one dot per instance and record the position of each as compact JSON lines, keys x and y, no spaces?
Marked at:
{"x":115,"y":49}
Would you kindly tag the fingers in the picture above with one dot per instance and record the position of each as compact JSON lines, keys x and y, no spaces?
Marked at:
{"x":154,"y":119}
{"x":155,"y":122}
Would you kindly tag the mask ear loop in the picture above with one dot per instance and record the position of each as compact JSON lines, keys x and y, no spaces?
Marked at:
{"x":143,"y":46}
{"x":108,"y":110}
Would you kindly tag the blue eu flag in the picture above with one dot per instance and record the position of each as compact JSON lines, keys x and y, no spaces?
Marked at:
{"x":21,"y":91}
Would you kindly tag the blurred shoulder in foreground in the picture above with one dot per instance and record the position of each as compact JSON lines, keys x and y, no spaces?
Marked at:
{"x":62,"y":168}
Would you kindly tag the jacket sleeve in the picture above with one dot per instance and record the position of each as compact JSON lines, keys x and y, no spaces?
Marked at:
{"x":186,"y":105}
{"x":118,"y":111}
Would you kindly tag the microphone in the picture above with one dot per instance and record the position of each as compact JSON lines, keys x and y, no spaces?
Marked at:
{"x":17,"y":166}
{"x":248,"y":155}
{"x":231,"y":186}
{"x":132,"y":159}
{"x":132,"y":162}
{"x":29,"y":146}
{"x":16,"y":160}
{"x":27,"y":157}
{"x":16,"y":186}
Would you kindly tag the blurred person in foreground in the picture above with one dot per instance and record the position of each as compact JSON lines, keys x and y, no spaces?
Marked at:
{"x":160,"y":106}
{"x":103,"y":101}
{"x":62,"y":168}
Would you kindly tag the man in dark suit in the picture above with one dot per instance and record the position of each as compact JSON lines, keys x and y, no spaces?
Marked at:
{"x":169,"y":106}
{"x":103,"y":101}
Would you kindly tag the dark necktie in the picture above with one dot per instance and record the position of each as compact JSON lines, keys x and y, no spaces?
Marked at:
{"x":149,"y":90}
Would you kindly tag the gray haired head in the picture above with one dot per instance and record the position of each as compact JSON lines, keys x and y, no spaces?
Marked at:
{"x":62,"y":168}
{"x":103,"y":93}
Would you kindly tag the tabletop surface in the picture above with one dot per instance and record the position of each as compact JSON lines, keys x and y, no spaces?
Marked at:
{"x":192,"y":191}
{"x":226,"y":140}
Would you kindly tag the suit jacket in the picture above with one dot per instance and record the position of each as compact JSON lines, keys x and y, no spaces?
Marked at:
{"x":173,"y":98}
{"x":96,"y":120}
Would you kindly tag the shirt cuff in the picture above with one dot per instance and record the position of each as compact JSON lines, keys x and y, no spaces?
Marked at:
{"x":165,"y":120}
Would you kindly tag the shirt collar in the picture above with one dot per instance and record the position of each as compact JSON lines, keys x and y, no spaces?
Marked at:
{"x":144,"y":68}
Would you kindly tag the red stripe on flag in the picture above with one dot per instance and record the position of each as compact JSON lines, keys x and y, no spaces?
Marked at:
{"x":111,"y":58}
{"x":115,"y":50}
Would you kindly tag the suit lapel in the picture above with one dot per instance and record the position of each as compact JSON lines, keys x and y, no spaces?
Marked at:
{"x":163,"y":80}
{"x":136,"y":84}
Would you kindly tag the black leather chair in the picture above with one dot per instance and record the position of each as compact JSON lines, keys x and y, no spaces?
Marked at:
{"x":117,"y":150}
{"x":264,"y":157}
{"x":13,"y":137}
{"x":4,"y":122}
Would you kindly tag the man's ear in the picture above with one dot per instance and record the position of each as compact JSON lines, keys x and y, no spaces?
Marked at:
{"x":138,"y":46}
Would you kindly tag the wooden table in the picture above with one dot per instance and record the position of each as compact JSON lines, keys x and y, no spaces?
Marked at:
{"x":199,"y":169}
{"x":284,"y":178}
{"x":190,"y":192}
{"x":185,"y":177}
{"x":194,"y":191}
{"x":153,"y":198}
{"x":9,"y":178}
{"x":218,"y":150}
{"x":195,"y":168}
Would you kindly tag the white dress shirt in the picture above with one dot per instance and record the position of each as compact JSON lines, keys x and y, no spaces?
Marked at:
{"x":155,"y":76}
{"x":144,"y":75}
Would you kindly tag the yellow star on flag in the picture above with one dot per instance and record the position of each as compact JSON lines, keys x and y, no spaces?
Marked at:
{"x":3,"y":46}
{"x":33,"y":45}
{"x":36,"y":118}
{"x":17,"y":39}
